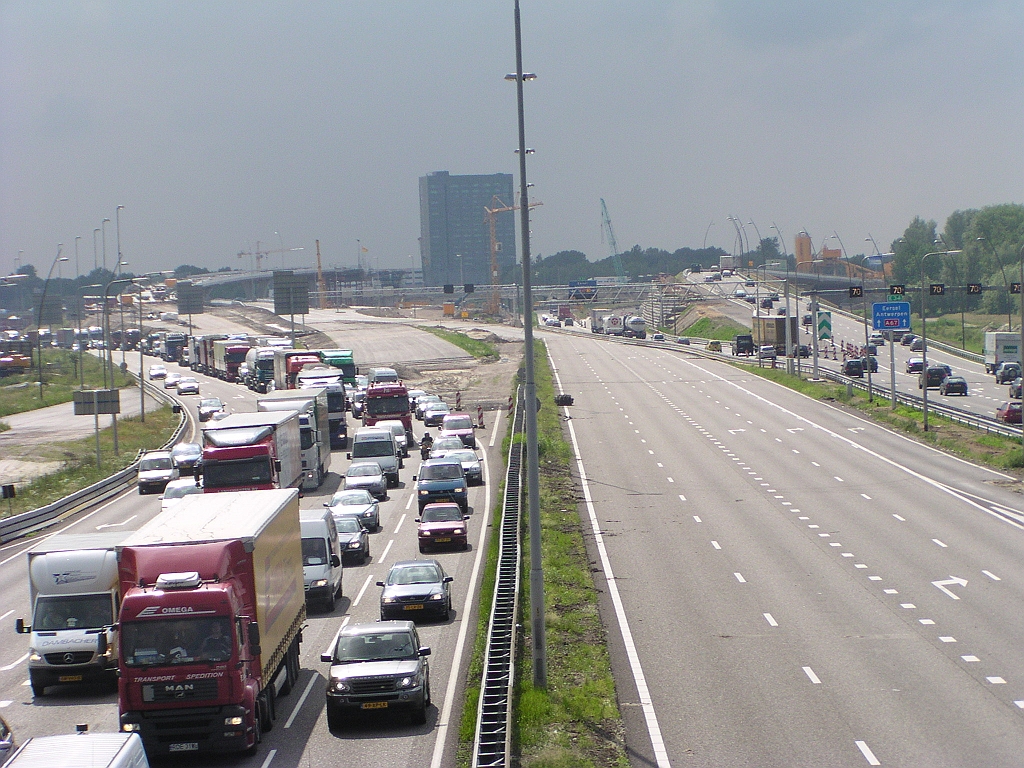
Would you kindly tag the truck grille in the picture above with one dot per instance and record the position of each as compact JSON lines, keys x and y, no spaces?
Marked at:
{"x":71,"y":657}
{"x":367,"y":685}
{"x":193,"y":690}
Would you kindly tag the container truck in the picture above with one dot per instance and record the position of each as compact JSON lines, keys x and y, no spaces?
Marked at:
{"x":228,"y":354}
{"x":331,"y":380}
{"x":174,"y":343}
{"x":634,"y":327}
{"x":251,"y":452}
{"x":74,"y":593}
{"x":342,"y":359}
{"x":999,"y":347}
{"x":314,"y":428}
{"x":288,"y":363}
{"x":771,"y":329}
{"x":388,"y":401}
{"x":260,"y":362}
{"x":211,"y":621}
{"x":597,"y":317}
{"x":613,"y":325}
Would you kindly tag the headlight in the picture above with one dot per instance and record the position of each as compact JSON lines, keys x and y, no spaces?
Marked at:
{"x":33,"y":655}
{"x":340,"y":686}
{"x":354,"y":545}
{"x":387,"y":600}
{"x":424,"y":493}
{"x":238,"y":720}
{"x":131,"y":727}
{"x":458,"y":531}
{"x":319,"y":583}
{"x":407,"y":682}
{"x":437,"y":596}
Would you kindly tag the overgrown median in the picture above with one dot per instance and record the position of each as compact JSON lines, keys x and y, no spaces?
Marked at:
{"x":575,"y":721}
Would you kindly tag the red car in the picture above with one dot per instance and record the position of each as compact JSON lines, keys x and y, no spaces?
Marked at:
{"x":459,"y":425}
{"x":1009,"y":412}
{"x":443,"y":524}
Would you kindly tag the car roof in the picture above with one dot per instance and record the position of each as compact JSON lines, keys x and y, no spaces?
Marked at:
{"x":439,"y":460}
{"x":376,"y":627}
{"x":362,"y":464}
{"x":413,"y":563}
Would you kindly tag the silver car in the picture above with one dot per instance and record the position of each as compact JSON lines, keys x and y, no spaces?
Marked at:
{"x":356,"y":503}
{"x":156,"y":470}
{"x":367,"y":476}
{"x":470,"y":465}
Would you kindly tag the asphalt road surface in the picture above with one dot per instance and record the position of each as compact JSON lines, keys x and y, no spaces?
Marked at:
{"x":788,"y":584}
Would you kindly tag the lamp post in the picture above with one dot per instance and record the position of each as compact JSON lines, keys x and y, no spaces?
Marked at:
{"x":789,"y":340}
{"x":924,"y":335}
{"x":103,"y":226}
{"x":117,"y":216}
{"x":751,"y":223}
{"x":120,"y":306}
{"x":537,"y":629}
{"x":39,"y":317}
{"x":110,"y":357}
{"x":81,"y":312}
{"x":95,"y":257}
{"x":78,"y":272}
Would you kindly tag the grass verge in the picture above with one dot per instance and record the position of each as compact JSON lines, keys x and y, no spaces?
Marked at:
{"x":721,"y":328}
{"x":60,"y":379}
{"x":475,"y":347}
{"x":79,"y":457}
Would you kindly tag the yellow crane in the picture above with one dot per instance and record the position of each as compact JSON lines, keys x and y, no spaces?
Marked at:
{"x":321,"y":286}
{"x":497,"y":206}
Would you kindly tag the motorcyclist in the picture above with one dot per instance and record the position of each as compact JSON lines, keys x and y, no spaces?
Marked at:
{"x":426,"y":443}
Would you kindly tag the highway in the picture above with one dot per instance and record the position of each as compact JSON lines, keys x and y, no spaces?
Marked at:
{"x":785,"y":583}
{"x":300,"y":735}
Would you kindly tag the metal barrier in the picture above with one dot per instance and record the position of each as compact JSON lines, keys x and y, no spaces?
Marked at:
{"x":18,"y":525}
{"x":492,"y":740}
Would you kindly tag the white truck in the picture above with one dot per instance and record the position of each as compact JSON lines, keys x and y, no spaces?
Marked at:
{"x":634,"y":327}
{"x":597,"y":317}
{"x":82,"y":750}
{"x":1001,"y":346}
{"x":75,"y":594}
{"x":314,"y":428}
{"x":613,"y":325}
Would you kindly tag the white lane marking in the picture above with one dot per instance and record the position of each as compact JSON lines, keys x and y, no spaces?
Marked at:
{"x":947,"y":639}
{"x":387,"y":549}
{"x":661,"y":465}
{"x":770,"y":619}
{"x":5,"y":704}
{"x":944,"y":546}
{"x":816,"y":464}
{"x":401,"y":520}
{"x":838,"y":478}
{"x":927,"y":622}
{"x":810,"y":674}
{"x":907,"y":605}
{"x":12,"y":665}
{"x":494,"y":429}
{"x":970,"y":659}
{"x":409,"y":502}
{"x":864,"y":495}
{"x":874,"y":578}
{"x":739,"y":578}
{"x":643,"y":692}
{"x":115,"y":525}
{"x":681,"y":497}
{"x":359,"y":596}
{"x":948,"y":583}
{"x":987,"y":573}
{"x":901,"y":519}
{"x":996,"y":680}
{"x":670,"y":480}
{"x":868,"y":754}
{"x":715,"y":544}
{"x":302,"y":699}
{"x":891,"y":591}
{"x":449,"y":694}
{"x":859,"y":565}
{"x":270,"y":757}
{"x":6,"y":614}
{"x":696,"y":519}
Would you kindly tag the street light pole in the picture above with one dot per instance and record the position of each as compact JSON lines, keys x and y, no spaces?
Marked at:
{"x":789,"y":340}
{"x":103,"y":226}
{"x":117,"y":215}
{"x":537,"y":628}
{"x":924,"y":336}
{"x":78,"y":272}
{"x":95,"y":257}
{"x":39,"y":318}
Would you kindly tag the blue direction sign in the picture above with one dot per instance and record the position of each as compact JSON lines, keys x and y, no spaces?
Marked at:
{"x":891,"y":316}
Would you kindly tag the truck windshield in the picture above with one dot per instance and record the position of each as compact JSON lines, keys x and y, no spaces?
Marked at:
{"x":314,"y":551}
{"x":234,"y":357}
{"x":378,"y":406}
{"x":336,"y":402}
{"x":240,"y":473}
{"x":72,"y":612}
{"x":306,"y":438}
{"x":175,"y":641}
{"x":265,"y":364}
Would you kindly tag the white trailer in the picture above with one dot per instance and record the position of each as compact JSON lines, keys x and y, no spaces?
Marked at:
{"x":1001,"y":346}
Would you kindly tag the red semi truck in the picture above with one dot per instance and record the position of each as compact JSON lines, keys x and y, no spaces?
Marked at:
{"x":288,"y":363}
{"x":251,"y":452}
{"x":228,"y":354}
{"x":388,"y":401}
{"x":210,"y":622}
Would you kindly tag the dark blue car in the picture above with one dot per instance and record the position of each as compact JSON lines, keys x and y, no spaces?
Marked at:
{"x":441,"y":480}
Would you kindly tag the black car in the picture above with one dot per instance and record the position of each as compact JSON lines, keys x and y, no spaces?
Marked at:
{"x":186,"y":455}
{"x":854,"y":368}
{"x":353,"y":538}
{"x":956,"y":385}
{"x":416,"y":589}
{"x":870,"y":362}
{"x":933,"y":377}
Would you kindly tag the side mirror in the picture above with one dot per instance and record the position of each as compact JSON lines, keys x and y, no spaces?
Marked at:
{"x":20,"y":628}
{"x":465,"y":517}
{"x":277,"y":465}
{"x":335,"y":561}
{"x":348,"y":456}
{"x":414,"y":478}
{"x":449,"y":579}
{"x":327,"y":657}
{"x":327,"y":503}
{"x":101,"y":643}
{"x":380,"y":583}
{"x":415,"y":519}
{"x":254,"y":636}
{"x":424,"y":650}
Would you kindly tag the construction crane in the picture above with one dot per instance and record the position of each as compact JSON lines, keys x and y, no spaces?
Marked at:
{"x":258,"y":254}
{"x":606,"y":227}
{"x":497,"y":206}
{"x":321,"y":286}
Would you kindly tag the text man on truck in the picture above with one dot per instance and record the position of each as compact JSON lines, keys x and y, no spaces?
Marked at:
{"x":211,"y":621}
{"x":314,"y":429}
{"x":252,"y":452}
{"x":74,"y":592}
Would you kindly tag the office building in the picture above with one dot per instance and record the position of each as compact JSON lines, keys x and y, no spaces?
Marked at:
{"x":455,"y":238}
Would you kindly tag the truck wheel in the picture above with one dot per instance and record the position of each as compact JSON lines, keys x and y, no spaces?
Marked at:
{"x":269,"y":710}
{"x":257,"y":730}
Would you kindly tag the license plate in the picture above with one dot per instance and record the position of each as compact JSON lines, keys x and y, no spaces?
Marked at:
{"x":417,"y":607}
{"x":69,"y":679}
{"x":184,"y":746}
{"x":442,"y":539}
{"x":375,"y":705}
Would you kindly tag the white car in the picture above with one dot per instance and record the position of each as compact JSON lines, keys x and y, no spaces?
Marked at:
{"x":171,"y":380}
{"x":766,"y":352}
{"x":156,"y":470}
{"x":176,"y":490}
{"x":157,"y":372}
{"x":187,"y":386}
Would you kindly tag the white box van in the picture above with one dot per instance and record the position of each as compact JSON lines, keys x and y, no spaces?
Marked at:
{"x":398,"y":430}
{"x":375,"y":444}
{"x":83,"y":750}
{"x":379,"y":375}
{"x":321,"y":558}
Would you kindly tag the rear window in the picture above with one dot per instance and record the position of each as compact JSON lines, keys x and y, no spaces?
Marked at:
{"x":458,"y":422}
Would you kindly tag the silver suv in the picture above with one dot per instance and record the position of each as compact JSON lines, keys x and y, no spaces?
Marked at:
{"x":378,"y":666}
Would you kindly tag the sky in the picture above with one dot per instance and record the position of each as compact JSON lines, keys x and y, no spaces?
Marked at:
{"x":227,"y":127}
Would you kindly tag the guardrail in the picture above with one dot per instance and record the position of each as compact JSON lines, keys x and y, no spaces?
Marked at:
{"x":492,"y":740}
{"x":18,"y":525}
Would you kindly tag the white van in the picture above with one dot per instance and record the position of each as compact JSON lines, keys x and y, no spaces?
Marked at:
{"x":376,"y":444}
{"x":386,"y":375}
{"x":321,"y":558}
{"x":82,"y":750}
{"x":398,"y":430}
